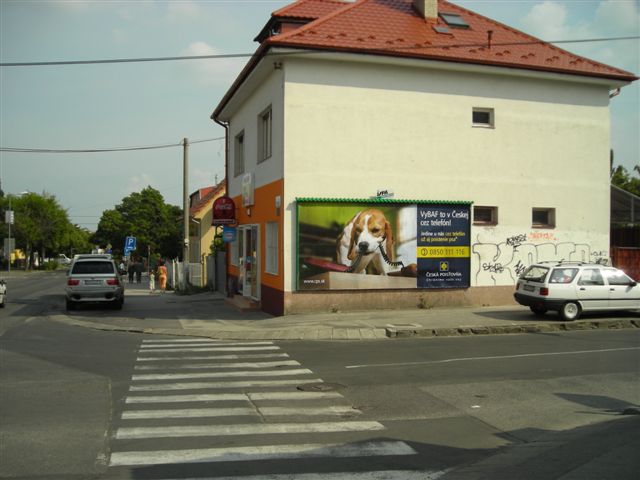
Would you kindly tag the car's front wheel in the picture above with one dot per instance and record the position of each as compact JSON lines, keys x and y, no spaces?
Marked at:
{"x":570,"y":311}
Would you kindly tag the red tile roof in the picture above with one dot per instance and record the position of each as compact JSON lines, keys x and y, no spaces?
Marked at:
{"x":309,"y":9}
{"x":206,"y":195}
{"x":395,"y":28}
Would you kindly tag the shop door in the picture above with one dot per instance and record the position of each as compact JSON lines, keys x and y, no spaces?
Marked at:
{"x":251,"y":278}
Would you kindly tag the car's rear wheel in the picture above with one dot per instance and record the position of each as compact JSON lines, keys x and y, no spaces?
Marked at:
{"x":118,"y":303}
{"x":538,"y":310}
{"x":71,"y":305}
{"x":570,"y":311}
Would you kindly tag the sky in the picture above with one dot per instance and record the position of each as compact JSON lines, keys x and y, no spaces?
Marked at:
{"x":103,"y":106}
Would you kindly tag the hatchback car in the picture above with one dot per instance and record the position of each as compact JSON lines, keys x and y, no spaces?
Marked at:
{"x":571,"y":288}
{"x":94,"y":278}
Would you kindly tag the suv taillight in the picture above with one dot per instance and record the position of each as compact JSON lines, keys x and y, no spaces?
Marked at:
{"x":73,"y":281}
{"x":544,"y":291}
{"x":113,"y":281}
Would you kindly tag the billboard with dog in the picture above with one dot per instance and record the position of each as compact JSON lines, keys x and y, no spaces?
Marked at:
{"x":382,"y":244}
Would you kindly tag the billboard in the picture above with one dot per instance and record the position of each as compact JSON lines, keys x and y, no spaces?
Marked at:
{"x":383,"y":244}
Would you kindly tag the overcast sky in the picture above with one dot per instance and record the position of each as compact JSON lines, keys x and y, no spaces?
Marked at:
{"x":143,"y":104}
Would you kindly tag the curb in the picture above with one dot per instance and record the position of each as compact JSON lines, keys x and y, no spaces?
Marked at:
{"x":398,"y":332}
{"x":328,"y":333}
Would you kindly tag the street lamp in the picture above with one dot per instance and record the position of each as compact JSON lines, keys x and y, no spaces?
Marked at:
{"x":9,"y":218}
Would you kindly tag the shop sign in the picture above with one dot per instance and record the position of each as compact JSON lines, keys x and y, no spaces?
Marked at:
{"x":362,"y":245}
{"x":229,"y":234}
{"x":224,"y":211}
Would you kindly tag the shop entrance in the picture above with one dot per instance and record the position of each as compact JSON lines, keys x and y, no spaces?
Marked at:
{"x":248,"y":249}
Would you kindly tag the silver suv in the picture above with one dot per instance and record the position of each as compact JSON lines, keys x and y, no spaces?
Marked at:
{"x":94,"y":278}
{"x":571,"y":288}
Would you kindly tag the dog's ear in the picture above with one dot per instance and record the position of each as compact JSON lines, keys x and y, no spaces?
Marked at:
{"x":388,"y":233}
{"x":353,"y":251}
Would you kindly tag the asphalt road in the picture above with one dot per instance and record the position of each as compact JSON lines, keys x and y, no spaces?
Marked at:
{"x":83,"y":404}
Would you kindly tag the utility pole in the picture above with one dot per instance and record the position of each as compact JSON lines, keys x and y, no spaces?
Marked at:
{"x":185,"y":200}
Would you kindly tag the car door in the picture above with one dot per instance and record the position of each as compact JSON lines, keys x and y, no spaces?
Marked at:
{"x":591,"y":290}
{"x":624,"y":293}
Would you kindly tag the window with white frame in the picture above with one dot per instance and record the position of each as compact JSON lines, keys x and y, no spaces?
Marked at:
{"x":238,"y":154}
{"x":264,"y":134}
{"x":271,"y":264}
{"x":483,"y":117}
{"x":234,"y":252}
{"x":543,"y":218}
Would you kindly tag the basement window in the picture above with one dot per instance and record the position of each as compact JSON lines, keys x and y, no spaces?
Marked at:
{"x":454,"y":20}
{"x":543,"y":218}
{"x":487,"y":216}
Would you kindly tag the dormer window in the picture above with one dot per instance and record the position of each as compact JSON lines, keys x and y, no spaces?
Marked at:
{"x":454,"y":20}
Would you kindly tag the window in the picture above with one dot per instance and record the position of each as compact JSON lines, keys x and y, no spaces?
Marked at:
{"x":234,"y":252}
{"x":617,"y":277}
{"x":238,"y":156}
{"x":271,"y":264}
{"x":483,"y":117}
{"x":591,"y":277}
{"x":563,"y":275}
{"x":264,"y":135}
{"x":543,"y":218}
{"x":454,"y":20}
{"x":485,"y":215}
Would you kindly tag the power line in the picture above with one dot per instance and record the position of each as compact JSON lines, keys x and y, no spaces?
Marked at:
{"x":244,"y":55}
{"x":102,"y":150}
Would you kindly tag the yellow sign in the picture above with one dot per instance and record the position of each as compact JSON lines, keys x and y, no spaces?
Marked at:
{"x":443,"y":252}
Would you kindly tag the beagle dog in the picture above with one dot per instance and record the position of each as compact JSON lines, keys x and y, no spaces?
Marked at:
{"x":362,"y":238}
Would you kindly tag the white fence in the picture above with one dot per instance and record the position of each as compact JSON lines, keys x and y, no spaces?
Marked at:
{"x":210,"y":273}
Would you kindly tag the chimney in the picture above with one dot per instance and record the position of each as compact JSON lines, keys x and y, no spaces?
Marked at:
{"x":427,"y":8}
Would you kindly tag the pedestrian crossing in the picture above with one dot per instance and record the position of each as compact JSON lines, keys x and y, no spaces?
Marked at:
{"x":236,"y":406}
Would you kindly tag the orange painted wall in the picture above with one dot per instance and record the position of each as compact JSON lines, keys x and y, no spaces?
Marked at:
{"x":263,"y":211}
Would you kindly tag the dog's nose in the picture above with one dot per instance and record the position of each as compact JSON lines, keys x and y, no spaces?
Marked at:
{"x":363,"y":246}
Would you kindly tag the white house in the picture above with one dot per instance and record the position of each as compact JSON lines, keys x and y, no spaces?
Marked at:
{"x":487,"y":149}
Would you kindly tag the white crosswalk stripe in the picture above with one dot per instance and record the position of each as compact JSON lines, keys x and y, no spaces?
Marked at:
{"x":229,"y":393}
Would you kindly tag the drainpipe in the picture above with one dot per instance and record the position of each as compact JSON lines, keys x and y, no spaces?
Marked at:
{"x":225,"y":125}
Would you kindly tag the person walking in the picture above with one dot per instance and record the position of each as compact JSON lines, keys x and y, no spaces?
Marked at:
{"x":162,"y":276}
{"x":138,"y":268}
{"x":131,"y":270}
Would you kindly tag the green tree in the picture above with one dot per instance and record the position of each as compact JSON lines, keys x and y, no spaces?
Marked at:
{"x":40,"y":224}
{"x":621,"y":178}
{"x":156,"y":225}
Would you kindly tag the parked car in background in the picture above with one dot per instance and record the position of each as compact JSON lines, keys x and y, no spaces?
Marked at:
{"x":62,"y":259}
{"x":3,"y":292}
{"x":571,"y":288}
{"x":94,"y":279}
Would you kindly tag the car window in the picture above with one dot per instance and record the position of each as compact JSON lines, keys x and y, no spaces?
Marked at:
{"x":617,"y":277}
{"x":92,"y":267}
{"x":591,"y":276}
{"x":535,"y":273}
{"x":563,"y":275}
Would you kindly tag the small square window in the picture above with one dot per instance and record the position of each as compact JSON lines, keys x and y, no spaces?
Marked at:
{"x":485,"y":215}
{"x":483,"y":117}
{"x":543,"y":218}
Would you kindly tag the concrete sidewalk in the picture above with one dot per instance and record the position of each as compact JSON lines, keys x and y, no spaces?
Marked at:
{"x":207,"y":315}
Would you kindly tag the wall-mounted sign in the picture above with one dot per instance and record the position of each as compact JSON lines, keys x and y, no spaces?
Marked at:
{"x":229,"y":234}
{"x":383,"y":245}
{"x":224,"y":211}
{"x":247,"y":189}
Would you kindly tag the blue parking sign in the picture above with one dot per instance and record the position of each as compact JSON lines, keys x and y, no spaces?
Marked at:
{"x":129,"y":244}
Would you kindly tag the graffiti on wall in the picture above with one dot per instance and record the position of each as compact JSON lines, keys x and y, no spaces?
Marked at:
{"x":502,"y":263}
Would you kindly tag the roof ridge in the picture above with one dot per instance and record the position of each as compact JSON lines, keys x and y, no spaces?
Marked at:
{"x":297,"y":3}
{"x":319,"y":21}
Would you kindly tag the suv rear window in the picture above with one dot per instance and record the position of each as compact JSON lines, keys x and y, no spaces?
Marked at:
{"x":92,"y":267}
{"x":535,"y":273}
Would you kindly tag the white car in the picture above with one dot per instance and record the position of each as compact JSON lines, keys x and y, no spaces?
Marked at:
{"x":3,"y":292}
{"x":571,"y":288}
{"x":94,"y":279}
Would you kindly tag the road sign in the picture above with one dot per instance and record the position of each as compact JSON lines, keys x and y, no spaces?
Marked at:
{"x":129,"y":245}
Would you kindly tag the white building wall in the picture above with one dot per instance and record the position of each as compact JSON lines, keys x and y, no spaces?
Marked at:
{"x":354,"y":128}
{"x":269,"y":92}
